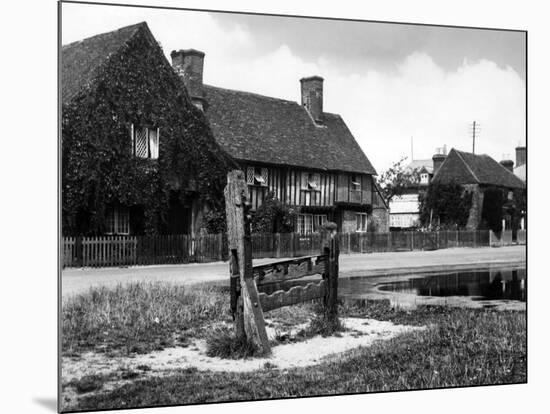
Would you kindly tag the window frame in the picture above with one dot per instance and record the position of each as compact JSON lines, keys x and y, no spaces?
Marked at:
{"x":424,"y":178}
{"x":355,"y":181}
{"x":361,"y":221}
{"x":151,"y":154}
{"x":257,"y":176}
{"x":120,"y":221}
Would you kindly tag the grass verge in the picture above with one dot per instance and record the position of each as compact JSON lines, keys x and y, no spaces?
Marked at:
{"x":461,"y":347}
{"x":139,"y":317}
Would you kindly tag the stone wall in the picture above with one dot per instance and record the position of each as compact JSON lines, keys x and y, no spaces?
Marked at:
{"x":349,"y":221}
{"x":382,"y":216}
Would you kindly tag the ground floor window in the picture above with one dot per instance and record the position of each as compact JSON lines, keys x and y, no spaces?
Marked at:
{"x":118,"y":221}
{"x":310,"y":223}
{"x":361,"y":221}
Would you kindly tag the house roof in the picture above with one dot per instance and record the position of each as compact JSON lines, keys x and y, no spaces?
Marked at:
{"x":258,"y":128}
{"x":81,"y":60}
{"x":468,"y":168}
{"x":421,"y":164}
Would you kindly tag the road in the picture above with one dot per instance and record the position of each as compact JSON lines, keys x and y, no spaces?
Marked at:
{"x":371,"y":264}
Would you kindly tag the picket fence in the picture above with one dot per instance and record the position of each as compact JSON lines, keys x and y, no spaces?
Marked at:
{"x":174,"y":249}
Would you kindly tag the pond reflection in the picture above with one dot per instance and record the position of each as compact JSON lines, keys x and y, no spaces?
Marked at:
{"x":479,"y":285}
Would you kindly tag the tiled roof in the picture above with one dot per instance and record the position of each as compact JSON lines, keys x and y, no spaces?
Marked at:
{"x":419,"y":164}
{"x":80,"y":60}
{"x":468,"y":168}
{"x":258,"y":128}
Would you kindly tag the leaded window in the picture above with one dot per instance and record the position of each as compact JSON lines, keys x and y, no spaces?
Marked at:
{"x":257,"y":176}
{"x":145,"y":142}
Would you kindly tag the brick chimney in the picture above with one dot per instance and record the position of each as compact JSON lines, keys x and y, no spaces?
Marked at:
{"x":508,"y":164}
{"x":439,"y":157}
{"x":189,"y":64}
{"x":312,"y":96}
{"x":521,"y":156}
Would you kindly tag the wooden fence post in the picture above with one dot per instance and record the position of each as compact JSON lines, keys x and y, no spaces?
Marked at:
{"x":78,"y":251}
{"x":332,"y":249}
{"x":220,"y":246}
{"x":240,"y":245}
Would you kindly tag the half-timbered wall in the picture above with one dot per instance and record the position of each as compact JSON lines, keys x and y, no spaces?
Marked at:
{"x":307,"y":187}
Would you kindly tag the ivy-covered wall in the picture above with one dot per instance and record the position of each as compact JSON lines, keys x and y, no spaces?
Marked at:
{"x":136,"y":85}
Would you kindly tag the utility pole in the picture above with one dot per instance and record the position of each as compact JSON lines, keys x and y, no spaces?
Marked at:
{"x":412,"y":152}
{"x":475,"y":131}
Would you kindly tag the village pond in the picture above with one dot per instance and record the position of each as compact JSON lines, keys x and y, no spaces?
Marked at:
{"x":498,"y":288}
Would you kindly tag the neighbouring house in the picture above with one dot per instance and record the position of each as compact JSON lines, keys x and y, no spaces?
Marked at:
{"x":404,"y":211}
{"x":481,"y":175}
{"x":520,"y":169}
{"x":137,"y":155}
{"x":307,"y":157}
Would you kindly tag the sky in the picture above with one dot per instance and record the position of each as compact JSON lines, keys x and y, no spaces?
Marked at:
{"x":393,"y":84}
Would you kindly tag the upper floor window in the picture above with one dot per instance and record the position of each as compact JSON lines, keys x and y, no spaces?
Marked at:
{"x":256,"y":176}
{"x":424,"y":178}
{"x":117,"y":220}
{"x":355,"y":182}
{"x":311,"y":181}
{"x":145,"y":142}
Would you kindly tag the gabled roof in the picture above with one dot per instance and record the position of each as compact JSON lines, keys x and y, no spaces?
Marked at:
{"x":468,"y":168}
{"x":258,"y":128}
{"x":81,"y":60}
{"x":419,"y":165}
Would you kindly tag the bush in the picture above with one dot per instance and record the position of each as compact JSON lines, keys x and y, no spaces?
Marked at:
{"x":447,"y":202}
{"x":274,"y":217}
{"x":222,"y":342}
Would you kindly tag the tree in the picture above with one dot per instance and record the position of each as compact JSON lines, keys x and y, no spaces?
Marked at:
{"x":494,"y":201}
{"x":396,"y":179}
{"x":273,"y":216}
{"x":448,"y":203}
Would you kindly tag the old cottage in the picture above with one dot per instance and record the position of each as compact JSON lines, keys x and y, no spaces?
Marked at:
{"x":137,"y":155}
{"x":486,"y":179}
{"x":306,"y":157}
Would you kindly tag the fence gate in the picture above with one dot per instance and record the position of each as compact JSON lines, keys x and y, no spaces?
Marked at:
{"x":247,"y":304}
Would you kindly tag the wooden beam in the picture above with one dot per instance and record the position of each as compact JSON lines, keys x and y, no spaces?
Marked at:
{"x":294,"y":295}
{"x":238,"y":233}
{"x":289,"y":270}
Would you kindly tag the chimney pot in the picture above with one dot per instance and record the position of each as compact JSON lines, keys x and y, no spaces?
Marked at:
{"x":438,"y":159}
{"x":188,"y":64}
{"x":521,"y":156}
{"x":312,"y":96}
{"x":508,"y":164}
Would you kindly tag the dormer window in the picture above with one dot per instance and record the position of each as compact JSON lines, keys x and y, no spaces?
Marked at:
{"x":424,"y":177}
{"x":145,"y":142}
{"x":256,"y":176}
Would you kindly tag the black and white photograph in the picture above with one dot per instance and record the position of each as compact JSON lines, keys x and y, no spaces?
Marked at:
{"x":266,"y":206}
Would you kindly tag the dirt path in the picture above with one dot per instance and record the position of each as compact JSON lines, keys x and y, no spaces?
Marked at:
{"x":79,"y":280}
{"x":116,"y":371}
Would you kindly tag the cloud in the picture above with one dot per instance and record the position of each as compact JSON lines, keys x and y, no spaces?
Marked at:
{"x":383,"y":107}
